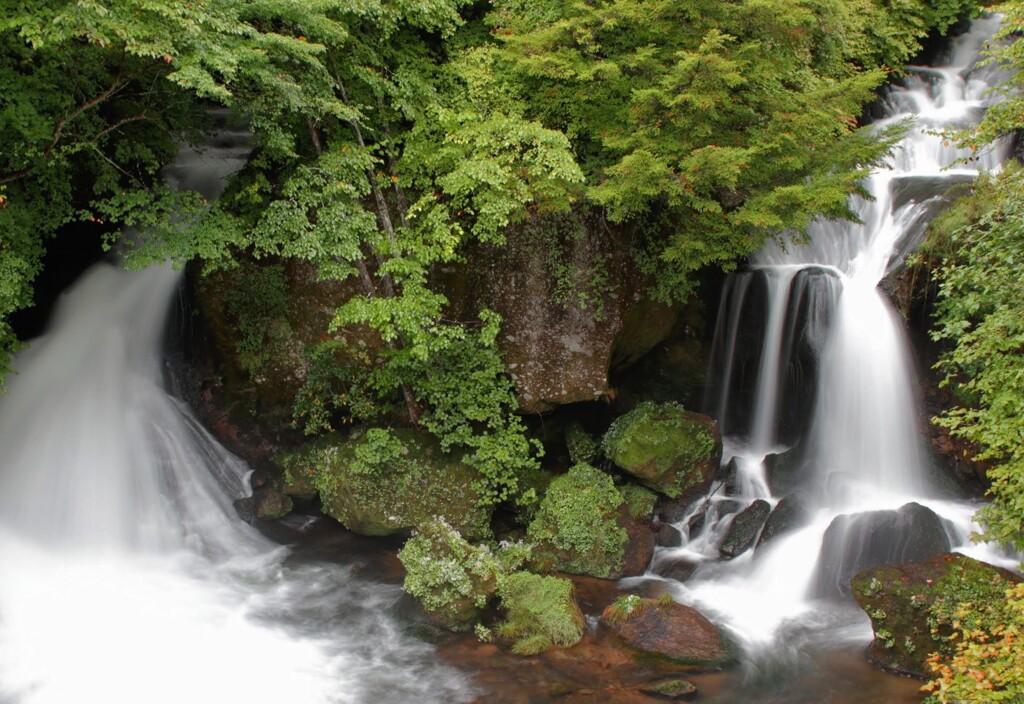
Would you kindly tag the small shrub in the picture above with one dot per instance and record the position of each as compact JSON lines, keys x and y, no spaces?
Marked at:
{"x":541,"y":613}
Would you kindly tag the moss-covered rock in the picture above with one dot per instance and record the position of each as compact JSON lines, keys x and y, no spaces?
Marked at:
{"x":577,"y":527}
{"x":910,"y":605}
{"x":669,"y":449}
{"x":665,"y":632}
{"x":541,"y":613}
{"x":451,"y":579}
{"x":388,"y":482}
{"x":581,"y":445}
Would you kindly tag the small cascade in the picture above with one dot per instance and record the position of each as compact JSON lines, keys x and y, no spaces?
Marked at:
{"x":814,"y":389}
{"x":127,"y":574}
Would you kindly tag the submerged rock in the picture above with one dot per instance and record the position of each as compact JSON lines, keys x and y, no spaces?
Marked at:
{"x":744,"y":529}
{"x":899,"y":600}
{"x":669,"y":632}
{"x":389,"y":482}
{"x":854,"y":542}
{"x":669,"y":449}
{"x":670,"y":689}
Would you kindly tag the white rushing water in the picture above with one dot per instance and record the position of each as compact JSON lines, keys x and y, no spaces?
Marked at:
{"x":815,"y":383}
{"x":125,"y":573}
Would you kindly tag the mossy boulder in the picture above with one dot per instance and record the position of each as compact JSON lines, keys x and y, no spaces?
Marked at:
{"x":578,"y":526}
{"x":663,"y":632}
{"x":667,"y":448}
{"x":540,"y":613}
{"x":450,"y":578}
{"x":911,"y":605}
{"x":581,"y":445}
{"x":387,"y":482}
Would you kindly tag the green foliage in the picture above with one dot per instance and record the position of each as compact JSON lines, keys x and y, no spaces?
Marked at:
{"x":725,"y":122}
{"x":581,"y":445}
{"x":451,"y":579}
{"x":388,"y":481}
{"x":541,"y":613}
{"x":981,"y":315}
{"x":575,"y":528}
{"x":988,"y":661}
{"x":259,"y":305}
{"x":639,"y":501}
{"x":624,"y":607}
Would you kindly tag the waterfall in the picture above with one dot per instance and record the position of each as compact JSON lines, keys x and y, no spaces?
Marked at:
{"x":126,"y":574}
{"x":814,"y":389}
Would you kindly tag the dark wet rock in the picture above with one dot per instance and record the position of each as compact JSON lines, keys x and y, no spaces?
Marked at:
{"x":668,"y":632}
{"x":270,"y":502}
{"x":726,"y":475}
{"x":669,"y":536}
{"x":854,"y":542}
{"x":398,"y":493}
{"x":917,"y":188}
{"x":791,"y":513}
{"x":744,"y":529}
{"x":639,"y":546}
{"x":898,"y":599}
{"x":670,"y":689}
{"x":679,"y":569}
{"x":672,"y":510}
{"x":785,"y":470}
{"x":245,"y":508}
{"x":669,"y":449}
{"x":726,"y":506}
{"x":697,"y":521}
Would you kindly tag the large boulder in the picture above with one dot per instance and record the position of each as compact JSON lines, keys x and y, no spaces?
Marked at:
{"x":675,"y":634}
{"x":583,"y":527}
{"x":906,"y":603}
{"x":389,"y":482}
{"x":671,"y":450}
{"x":854,"y":542}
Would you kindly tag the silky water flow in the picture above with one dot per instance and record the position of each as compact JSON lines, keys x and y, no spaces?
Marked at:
{"x":127,"y":575}
{"x":814,"y":390}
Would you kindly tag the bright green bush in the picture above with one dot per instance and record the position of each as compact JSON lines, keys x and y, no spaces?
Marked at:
{"x":541,"y":613}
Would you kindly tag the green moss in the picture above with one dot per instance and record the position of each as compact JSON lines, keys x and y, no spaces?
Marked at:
{"x":450,"y":578}
{"x":576,"y":529}
{"x":542,"y":613}
{"x":639,"y":501}
{"x":390,"y":481}
{"x":667,"y":448}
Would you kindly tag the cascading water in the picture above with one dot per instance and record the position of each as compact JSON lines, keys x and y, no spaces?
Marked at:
{"x":815,"y":395}
{"x":126,"y":574}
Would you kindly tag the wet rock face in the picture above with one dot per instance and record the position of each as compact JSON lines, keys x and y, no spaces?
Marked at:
{"x":744,"y":529}
{"x":854,"y":542}
{"x":669,"y":632}
{"x":671,"y":450}
{"x":898,"y":600}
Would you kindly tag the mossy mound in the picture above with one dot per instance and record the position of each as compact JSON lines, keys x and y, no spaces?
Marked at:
{"x":671,"y":450}
{"x":451,"y":579}
{"x":577,"y":527}
{"x":542,"y":613}
{"x":908,"y":603}
{"x":389,"y":482}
